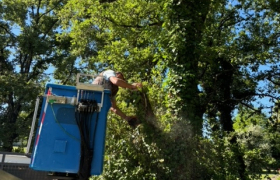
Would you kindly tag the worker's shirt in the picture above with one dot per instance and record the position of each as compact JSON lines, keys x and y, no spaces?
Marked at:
{"x":104,"y":79}
{"x":108,"y":73}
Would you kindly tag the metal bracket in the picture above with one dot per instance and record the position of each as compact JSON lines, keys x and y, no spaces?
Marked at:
{"x":56,"y":99}
{"x":90,"y":87}
{"x":87,"y":86}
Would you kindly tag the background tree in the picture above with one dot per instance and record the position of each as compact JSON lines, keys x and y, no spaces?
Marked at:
{"x":28,"y":47}
{"x":199,"y":61}
{"x":254,"y":139}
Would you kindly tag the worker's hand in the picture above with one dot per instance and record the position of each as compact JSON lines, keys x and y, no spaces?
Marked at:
{"x":137,"y":86}
{"x":127,"y":118}
{"x":132,"y":121}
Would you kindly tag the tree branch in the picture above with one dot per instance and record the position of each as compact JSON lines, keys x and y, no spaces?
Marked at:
{"x":252,"y":108}
{"x":69,"y":75}
{"x":7,"y":31}
{"x":38,"y":12}
{"x":270,"y":79}
{"x":51,"y":8}
{"x":49,"y":29}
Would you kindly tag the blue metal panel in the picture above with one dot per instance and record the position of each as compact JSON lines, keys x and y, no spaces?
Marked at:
{"x":57,"y":144}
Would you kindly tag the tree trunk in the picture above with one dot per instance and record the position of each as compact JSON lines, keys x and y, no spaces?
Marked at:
{"x":226,"y":106}
{"x":9,"y":126}
{"x":189,"y":18}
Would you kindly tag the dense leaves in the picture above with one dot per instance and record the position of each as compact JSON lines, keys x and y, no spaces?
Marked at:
{"x":28,"y":47}
{"x":209,"y":68}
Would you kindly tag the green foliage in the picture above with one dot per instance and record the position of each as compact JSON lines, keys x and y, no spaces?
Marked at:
{"x":198,"y":60}
{"x":255,"y":141}
{"x":29,"y":46}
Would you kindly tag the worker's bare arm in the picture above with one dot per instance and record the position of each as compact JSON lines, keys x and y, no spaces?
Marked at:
{"x":121,"y":83}
{"x":117,"y":111}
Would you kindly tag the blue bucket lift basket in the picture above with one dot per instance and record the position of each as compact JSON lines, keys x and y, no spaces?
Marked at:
{"x":57,"y":143}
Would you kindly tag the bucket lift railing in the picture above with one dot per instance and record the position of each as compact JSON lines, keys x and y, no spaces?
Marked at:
{"x":33,"y":125}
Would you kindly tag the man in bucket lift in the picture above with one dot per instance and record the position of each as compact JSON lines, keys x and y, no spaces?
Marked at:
{"x":113,"y":80}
